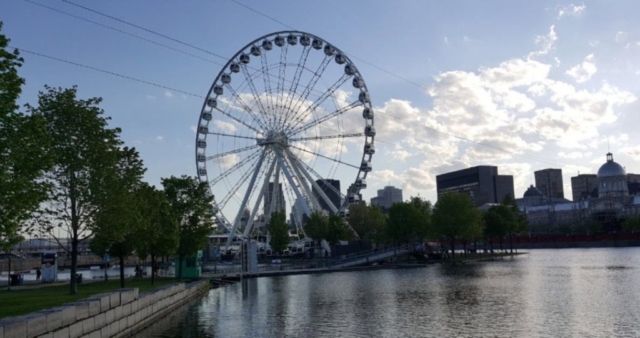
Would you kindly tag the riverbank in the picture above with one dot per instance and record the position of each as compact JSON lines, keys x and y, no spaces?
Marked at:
{"x":30,"y":298}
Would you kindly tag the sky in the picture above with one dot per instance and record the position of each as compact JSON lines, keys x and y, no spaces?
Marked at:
{"x":524,"y":85}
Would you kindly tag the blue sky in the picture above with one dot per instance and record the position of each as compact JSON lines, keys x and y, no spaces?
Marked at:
{"x":548,"y":81}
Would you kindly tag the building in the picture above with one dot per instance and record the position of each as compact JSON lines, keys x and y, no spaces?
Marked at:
{"x":280,"y":204}
{"x":549,"y":182}
{"x":532,"y":196}
{"x":612,"y":204}
{"x":584,"y":186}
{"x":331,"y":188}
{"x":481,"y":183}
{"x":387,"y":196}
{"x":612,"y":179}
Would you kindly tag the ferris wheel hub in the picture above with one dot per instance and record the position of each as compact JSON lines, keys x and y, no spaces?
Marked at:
{"x":274,"y":137}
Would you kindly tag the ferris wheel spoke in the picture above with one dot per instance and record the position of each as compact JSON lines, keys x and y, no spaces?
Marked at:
{"x":299,"y":118}
{"x":326,"y":137}
{"x":256,"y":171}
{"x":237,"y":120}
{"x":289,"y":177}
{"x":267,"y":85}
{"x":246,"y":107}
{"x":256,"y":207}
{"x":231,"y":135}
{"x":293,"y":89}
{"x":235,"y":187}
{"x":325,"y":118}
{"x":281,"y":79}
{"x":312,"y":82}
{"x":233,"y":168}
{"x":254,"y":91}
{"x":230,"y":152}
{"x":319,"y":177}
{"x":296,"y":164}
{"x":301,"y":181}
{"x":323,"y":156}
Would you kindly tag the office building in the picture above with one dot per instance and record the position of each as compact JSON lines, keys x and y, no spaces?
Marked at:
{"x":584,"y":186}
{"x":387,"y":196}
{"x":549,"y":182}
{"x":331,"y":188}
{"x":481,"y":183}
{"x":279,"y":198}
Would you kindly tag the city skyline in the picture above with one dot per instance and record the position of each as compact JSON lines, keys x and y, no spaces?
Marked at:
{"x":575,"y":68}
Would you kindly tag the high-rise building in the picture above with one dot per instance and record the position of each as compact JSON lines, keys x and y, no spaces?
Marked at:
{"x":549,"y":182}
{"x":631,"y":178}
{"x":331,"y":188}
{"x":387,"y":196}
{"x":584,"y":186}
{"x":280,"y":202}
{"x":481,"y":183}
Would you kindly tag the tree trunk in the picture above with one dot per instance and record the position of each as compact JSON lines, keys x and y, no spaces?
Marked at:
{"x":73,"y":281}
{"x":491,"y":246}
{"x":453,"y":248}
{"x":464,"y":248}
{"x":180,"y":267}
{"x":9,"y":274}
{"x":121,"y":271}
{"x":511,"y":242}
{"x":153,"y":269}
{"x":501,"y":249}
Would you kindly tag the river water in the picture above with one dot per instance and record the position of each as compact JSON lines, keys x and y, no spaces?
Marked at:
{"x":546,"y":293}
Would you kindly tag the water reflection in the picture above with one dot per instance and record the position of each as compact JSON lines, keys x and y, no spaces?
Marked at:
{"x":548,"y":293}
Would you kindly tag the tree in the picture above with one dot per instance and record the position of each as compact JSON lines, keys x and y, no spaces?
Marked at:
{"x":337,"y":230}
{"x":631,"y":224}
{"x":191,"y":206}
{"x":23,"y":153}
{"x":422,"y":226}
{"x":454,"y":216}
{"x":367,"y":221}
{"x":84,"y":150}
{"x":317,"y":226}
{"x":409,"y":220}
{"x":520,"y":222}
{"x":278,"y":231}
{"x":158,"y":234}
{"x":118,"y":219}
{"x":496,"y":224}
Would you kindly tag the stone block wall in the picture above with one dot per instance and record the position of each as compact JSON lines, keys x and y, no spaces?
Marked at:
{"x":114,"y":314}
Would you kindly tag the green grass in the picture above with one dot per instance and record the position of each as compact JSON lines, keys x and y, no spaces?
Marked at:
{"x":18,"y":302}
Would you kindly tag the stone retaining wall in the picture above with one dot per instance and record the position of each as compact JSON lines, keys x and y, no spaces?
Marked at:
{"x":115,"y":314}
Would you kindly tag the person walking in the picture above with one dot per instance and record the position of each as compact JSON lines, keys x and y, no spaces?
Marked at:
{"x":38,"y":274}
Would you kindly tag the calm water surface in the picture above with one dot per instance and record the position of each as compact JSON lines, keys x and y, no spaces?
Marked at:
{"x":547,"y":293}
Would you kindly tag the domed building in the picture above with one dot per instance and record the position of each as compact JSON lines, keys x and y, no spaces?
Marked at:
{"x":612,"y":179}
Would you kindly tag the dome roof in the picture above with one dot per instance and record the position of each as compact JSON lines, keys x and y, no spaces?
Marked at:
{"x":532,"y":192}
{"x":611,"y":168}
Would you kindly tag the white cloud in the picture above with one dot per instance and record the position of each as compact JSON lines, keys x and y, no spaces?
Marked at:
{"x":546,"y":42}
{"x":446,"y":40}
{"x":159,"y":138}
{"x":583,"y":71}
{"x":574,"y":154}
{"x":621,"y":36}
{"x":168,"y":94}
{"x":224,"y":126}
{"x":150,"y":97}
{"x":633,"y":152}
{"x":194,"y":129}
{"x":228,"y":161}
{"x":571,"y":10}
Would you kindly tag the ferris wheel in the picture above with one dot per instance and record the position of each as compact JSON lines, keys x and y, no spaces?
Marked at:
{"x":287,"y":117}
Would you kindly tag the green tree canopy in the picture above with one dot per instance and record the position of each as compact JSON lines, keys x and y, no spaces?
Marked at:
{"x":367,"y":221}
{"x":631,"y":224}
{"x":337,"y":230}
{"x":23,"y":153}
{"x":191,"y":206}
{"x":455,"y":217}
{"x":409,"y":220}
{"x":84,"y":151}
{"x":278,"y":231}
{"x":317,"y":226}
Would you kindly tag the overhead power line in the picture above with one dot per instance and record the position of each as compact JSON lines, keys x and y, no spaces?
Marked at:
{"x":221,"y":57}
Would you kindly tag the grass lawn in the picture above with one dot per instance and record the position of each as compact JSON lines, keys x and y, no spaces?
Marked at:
{"x":19,"y":302}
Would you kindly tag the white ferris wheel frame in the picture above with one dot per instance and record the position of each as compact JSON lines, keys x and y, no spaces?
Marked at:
{"x":276,"y":145}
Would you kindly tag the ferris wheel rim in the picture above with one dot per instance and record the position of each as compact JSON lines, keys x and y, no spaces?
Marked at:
{"x":368,"y":139}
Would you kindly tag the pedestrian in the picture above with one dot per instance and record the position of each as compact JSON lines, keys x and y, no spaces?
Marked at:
{"x":38,"y":274}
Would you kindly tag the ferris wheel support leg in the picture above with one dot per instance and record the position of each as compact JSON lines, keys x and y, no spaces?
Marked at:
{"x":287,"y":174}
{"x":274,"y":193}
{"x":236,"y":221}
{"x":265,"y":186}
{"x":312,"y":199}
{"x":295,"y":162}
